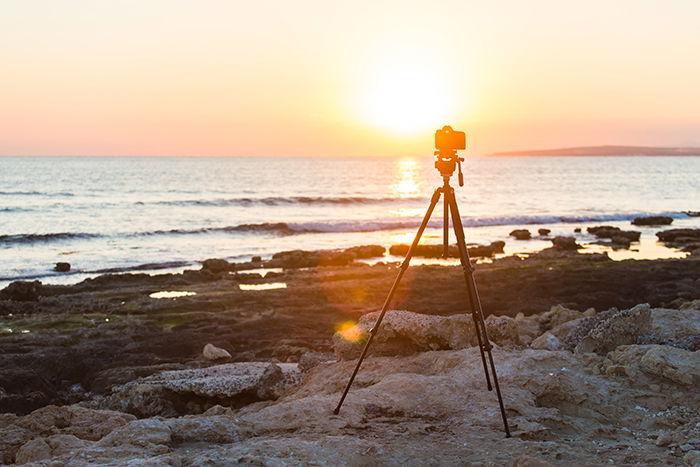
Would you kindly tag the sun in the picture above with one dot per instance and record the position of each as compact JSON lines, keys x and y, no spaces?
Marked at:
{"x":405,"y":98}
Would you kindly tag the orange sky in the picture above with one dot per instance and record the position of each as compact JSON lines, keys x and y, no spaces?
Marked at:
{"x":168,"y":77}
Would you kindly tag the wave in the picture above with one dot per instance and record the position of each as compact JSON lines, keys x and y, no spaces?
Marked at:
{"x":34,"y":238}
{"x":34,"y":193}
{"x":280,"y":201}
{"x":375,"y":225}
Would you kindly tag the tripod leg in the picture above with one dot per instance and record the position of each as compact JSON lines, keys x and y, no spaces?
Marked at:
{"x":446,"y":228}
{"x":466,"y":267}
{"x":474,"y":298}
{"x":385,"y":307}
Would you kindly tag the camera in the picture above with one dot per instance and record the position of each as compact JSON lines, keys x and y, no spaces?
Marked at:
{"x":447,"y":139}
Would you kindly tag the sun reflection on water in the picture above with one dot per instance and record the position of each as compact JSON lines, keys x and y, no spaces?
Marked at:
{"x":407,"y":183}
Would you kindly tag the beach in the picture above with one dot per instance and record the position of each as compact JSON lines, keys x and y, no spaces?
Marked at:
{"x":115,"y":330}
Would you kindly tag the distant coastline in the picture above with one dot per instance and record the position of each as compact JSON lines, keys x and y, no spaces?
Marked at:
{"x":606,"y":151}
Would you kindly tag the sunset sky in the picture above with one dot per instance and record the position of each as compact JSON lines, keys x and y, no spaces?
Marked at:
{"x":166,"y":77}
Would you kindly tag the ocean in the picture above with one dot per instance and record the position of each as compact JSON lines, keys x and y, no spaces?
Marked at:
{"x":113,"y":214}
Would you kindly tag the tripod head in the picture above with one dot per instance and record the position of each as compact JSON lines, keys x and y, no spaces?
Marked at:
{"x":447,"y":143}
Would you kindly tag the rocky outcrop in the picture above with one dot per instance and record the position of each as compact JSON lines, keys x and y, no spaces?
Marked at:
{"x":307,"y":259}
{"x":366,"y":251}
{"x":405,"y":333}
{"x":170,"y":393}
{"x":614,"y":233}
{"x":22,"y":291}
{"x":61,"y":267}
{"x":685,"y":239}
{"x":436,"y":251}
{"x":619,"y":328}
{"x":652,"y":220}
{"x":543,"y":232}
{"x":565,"y":243}
{"x":521,"y":234}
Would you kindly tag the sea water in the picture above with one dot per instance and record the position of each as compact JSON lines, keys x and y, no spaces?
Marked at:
{"x":104,"y":214}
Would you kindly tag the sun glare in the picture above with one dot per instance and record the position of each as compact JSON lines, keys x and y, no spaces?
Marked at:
{"x":405,"y":96}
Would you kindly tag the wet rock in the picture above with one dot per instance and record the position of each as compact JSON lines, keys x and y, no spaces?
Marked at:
{"x":212,"y":353}
{"x":193,"y":391}
{"x":620,"y":328}
{"x":608,"y":231}
{"x":307,"y":259}
{"x":685,"y":239}
{"x":366,"y":251}
{"x":404,"y":333}
{"x":256,"y":259}
{"x":436,"y":251}
{"x":543,"y":232}
{"x":652,"y":220}
{"x":521,"y":234}
{"x":215,"y":265}
{"x":62,"y":267}
{"x":565,"y":243}
{"x":22,"y":291}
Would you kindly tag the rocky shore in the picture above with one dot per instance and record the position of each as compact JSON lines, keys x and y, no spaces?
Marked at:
{"x":102,"y":371}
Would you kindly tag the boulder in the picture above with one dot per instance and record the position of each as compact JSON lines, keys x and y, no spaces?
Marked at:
{"x":62,"y":267}
{"x":218,"y":429}
{"x":212,"y":353}
{"x":652,"y":220}
{"x":620,"y":328}
{"x":366,"y":251}
{"x":256,"y":259}
{"x":547,"y":341}
{"x":543,"y":232}
{"x":663,"y":363}
{"x":565,"y":243}
{"x":311,"y":359}
{"x":193,"y":391}
{"x":405,"y":332}
{"x":22,"y":291}
{"x":215,"y":265}
{"x":502,"y":329}
{"x":39,"y":449}
{"x":521,"y":234}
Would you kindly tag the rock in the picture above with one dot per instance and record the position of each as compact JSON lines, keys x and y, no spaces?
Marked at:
{"x":669,"y":364}
{"x":194,"y":391}
{"x":44,"y":448}
{"x":577,"y":229}
{"x":692,"y":458}
{"x":404,"y":332}
{"x":618,"y":329}
{"x":502,"y":329}
{"x":437,"y":250}
{"x":565,"y":243}
{"x":212,"y":353}
{"x":62,"y":267}
{"x":215,"y":265}
{"x":686,"y":239}
{"x":150,"y":436}
{"x":664,"y":439}
{"x":608,"y":231}
{"x":366,"y":251}
{"x":619,"y":241}
{"x":543,"y":232}
{"x":528,"y":461}
{"x":22,"y":291}
{"x":212,"y":429}
{"x":32,"y":451}
{"x":307,"y":259}
{"x":652,"y":220}
{"x":521,"y":234}
{"x":670,"y":324}
{"x":312,"y":359}
{"x":256,"y":259}
{"x":547,"y":341}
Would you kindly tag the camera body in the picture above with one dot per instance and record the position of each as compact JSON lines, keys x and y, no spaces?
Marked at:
{"x":447,"y":139}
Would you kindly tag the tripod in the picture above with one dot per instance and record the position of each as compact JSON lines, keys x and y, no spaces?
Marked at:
{"x":447,"y":159}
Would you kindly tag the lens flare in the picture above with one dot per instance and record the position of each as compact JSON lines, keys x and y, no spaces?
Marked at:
{"x":350,"y":331}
